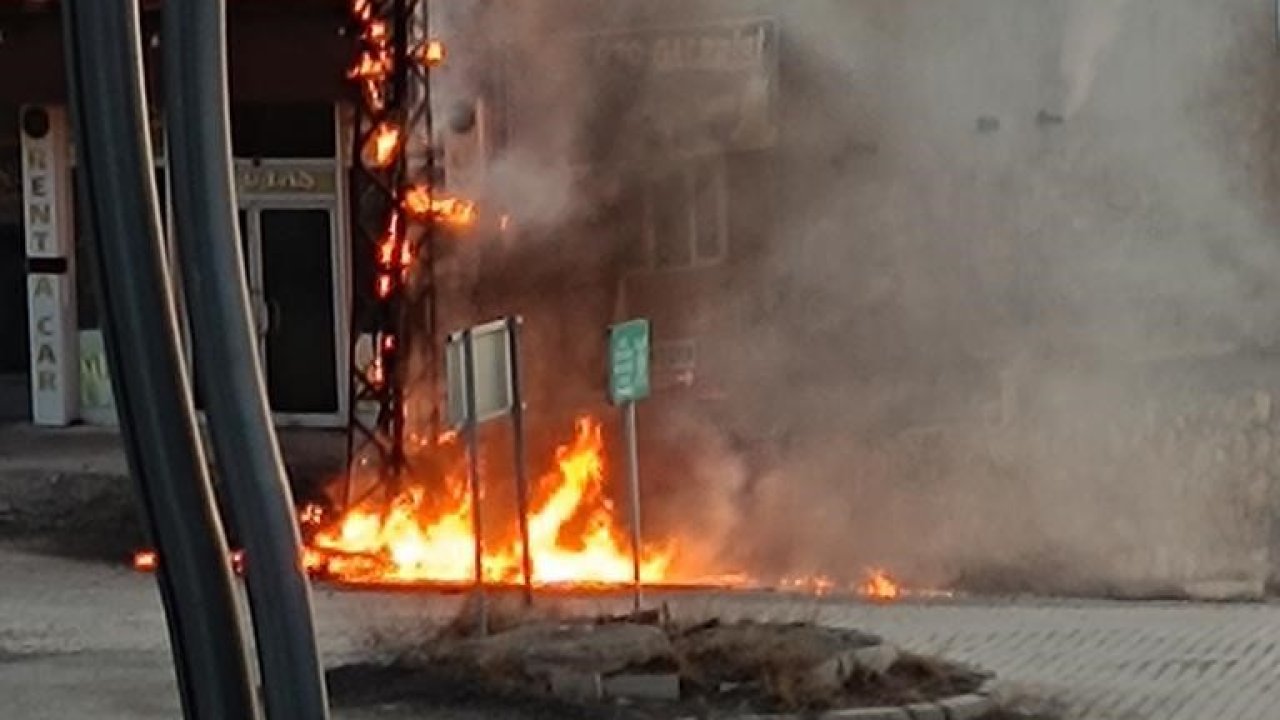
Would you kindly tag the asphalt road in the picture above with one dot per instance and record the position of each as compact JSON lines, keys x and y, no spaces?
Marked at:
{"x":85,"y":640}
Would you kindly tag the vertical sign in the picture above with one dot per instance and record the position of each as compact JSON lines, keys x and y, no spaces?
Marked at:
{"x":629,"y":382}
{"x":629,"y":361}
{"x":46,"y":207}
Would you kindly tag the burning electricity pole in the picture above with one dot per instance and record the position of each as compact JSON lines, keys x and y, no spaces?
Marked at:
{"x":396,"y":216}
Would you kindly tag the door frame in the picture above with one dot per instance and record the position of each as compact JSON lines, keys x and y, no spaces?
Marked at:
{"x":252,"y":204}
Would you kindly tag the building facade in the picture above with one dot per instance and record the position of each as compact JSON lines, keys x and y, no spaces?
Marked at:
{"x":657,"y":216}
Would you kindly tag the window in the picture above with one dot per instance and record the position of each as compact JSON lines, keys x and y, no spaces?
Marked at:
{"x":684,"y":218}
{"x":295,"y":130}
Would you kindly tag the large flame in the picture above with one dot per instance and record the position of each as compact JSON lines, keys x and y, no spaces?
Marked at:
{"x":575,"y":536}
{"x":425,"y":535}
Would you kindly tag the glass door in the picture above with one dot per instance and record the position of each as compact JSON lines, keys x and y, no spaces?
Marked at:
{"x":295,"y":249}
{"x":291,"y":267}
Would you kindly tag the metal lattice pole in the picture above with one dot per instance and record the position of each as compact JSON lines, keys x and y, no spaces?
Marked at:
{"x":393,"y":228}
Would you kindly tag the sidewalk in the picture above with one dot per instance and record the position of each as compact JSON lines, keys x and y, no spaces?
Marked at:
{"x":75,"y":481}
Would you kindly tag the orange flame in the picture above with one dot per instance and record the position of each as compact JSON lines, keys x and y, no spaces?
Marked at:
{"x":574,"y":534}
{"x":375,"y":31}
{"x":816,"y":585}
{"x":421,"y":203}
{"x":433,"y":53}
{"x":146,"y":560}
{"x":375,"y":62}
{"x":381,"y":147}
{"x":385,"y":285}
{"x":376,"y":375}
{"x":879,"y":586}
{"x":370,"y":66}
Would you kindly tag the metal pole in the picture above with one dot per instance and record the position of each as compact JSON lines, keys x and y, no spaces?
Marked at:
{"x":517,"y":426}
{"x":633,"y":479}
{"x":244,"y":439}
{"x":121,"y":212}
{"x":473,"y":472}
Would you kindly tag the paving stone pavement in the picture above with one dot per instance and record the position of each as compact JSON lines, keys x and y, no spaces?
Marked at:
{"x":1105,"y":661}
{"x":77,"y":637}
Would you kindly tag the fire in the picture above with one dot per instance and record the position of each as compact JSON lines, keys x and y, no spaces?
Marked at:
{"x":456,"y":212}
{"x":146,"y":560}
{"x":879,"y":586}
{"x":575,"y":534}
{"x":433,"y":53}
{"x":818,"y":585}
{"x":382,"y":146}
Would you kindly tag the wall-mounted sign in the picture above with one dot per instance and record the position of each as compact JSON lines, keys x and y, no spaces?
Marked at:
{"x":658,"y":93}
{"x":46,"y":206}
{"x":54,"y":381}
{"x":282,"y":179}
{"x":97,"y":402}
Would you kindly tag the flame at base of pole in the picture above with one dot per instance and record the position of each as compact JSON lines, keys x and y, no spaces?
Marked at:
{"x":422,"y":537}
{"x":426,"y":535}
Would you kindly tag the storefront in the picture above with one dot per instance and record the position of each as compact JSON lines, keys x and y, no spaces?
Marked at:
{"x":290,"y":180}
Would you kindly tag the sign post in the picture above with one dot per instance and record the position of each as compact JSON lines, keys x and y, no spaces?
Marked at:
{"x":628,"y":383}
{"x":481,"y":387}
{"x":517,"y":428}
{"x":473,"y":474}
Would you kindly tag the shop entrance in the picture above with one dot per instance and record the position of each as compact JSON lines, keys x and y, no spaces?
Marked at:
{"x":15,"y":357}
{"x":292,"y":267}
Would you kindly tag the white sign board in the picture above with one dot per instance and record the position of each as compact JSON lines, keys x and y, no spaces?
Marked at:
{"x":491,"y":367}
{"x":97,"y":402}
{"x":54,"y":367}
{"x":46,"y":201}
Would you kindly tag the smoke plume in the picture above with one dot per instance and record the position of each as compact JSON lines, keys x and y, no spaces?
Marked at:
{"x":1012,"y":323}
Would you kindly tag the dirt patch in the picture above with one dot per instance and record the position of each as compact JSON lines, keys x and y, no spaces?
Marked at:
{"x":438,"y":687}
{"x":801,"y":666}
{"x":721,"y":670}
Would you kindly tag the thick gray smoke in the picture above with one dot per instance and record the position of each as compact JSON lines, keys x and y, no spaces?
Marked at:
{"x":1017,"y":316}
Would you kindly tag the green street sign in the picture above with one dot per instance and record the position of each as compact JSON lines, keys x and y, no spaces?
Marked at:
{"x":628,"y":361}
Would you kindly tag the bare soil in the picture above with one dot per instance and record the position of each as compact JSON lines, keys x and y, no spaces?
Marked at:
{"x":725,"y":670}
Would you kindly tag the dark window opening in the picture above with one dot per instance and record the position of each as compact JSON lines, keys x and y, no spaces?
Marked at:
{"x":671,"y":228}
{"x":294,"y":130}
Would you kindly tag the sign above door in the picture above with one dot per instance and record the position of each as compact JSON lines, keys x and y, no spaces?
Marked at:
{"x":286,"y":178}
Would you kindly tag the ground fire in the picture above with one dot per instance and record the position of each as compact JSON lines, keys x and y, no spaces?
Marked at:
{"x":423,"y":536}
{"x":575,"y":534}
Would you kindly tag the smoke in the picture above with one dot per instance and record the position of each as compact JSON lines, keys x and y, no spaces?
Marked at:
{"x":1091,"y":29}
{"x":1011,"y":323}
